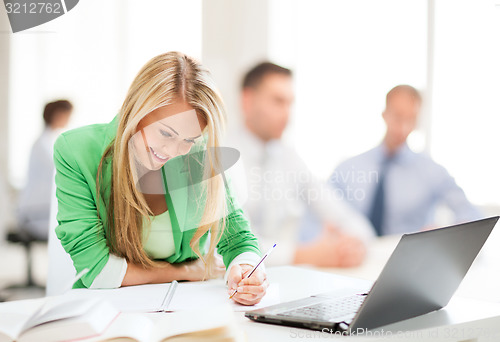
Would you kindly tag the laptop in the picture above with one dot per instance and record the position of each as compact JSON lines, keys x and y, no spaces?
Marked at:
{"x":421,"y":276}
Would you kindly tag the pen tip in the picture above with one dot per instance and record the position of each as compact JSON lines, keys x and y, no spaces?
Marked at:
{"x":274,"y":245}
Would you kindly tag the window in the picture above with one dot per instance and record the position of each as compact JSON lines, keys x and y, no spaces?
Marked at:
{"x":466,"y":106}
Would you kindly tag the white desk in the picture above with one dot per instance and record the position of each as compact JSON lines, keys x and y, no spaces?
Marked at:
{"x":462,"y":320}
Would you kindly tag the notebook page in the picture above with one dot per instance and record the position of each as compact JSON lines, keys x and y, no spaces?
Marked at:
{"x":213,"y":293}
{"x":140,"y":298}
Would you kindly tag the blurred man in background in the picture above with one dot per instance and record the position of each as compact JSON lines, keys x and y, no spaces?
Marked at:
{"x":397,"y":189}
{"x":280,"y":185}
{"x":34,"y":201}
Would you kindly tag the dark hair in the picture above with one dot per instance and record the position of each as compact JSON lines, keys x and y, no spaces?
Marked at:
{"x":254,"y":76}
{"x":52,"y":109}
{"x":403,"y":88}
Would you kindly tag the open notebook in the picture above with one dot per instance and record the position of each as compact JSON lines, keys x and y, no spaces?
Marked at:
{"x":54,"y":319}
{"x":216,"y":324}
{"x":188,"y":296}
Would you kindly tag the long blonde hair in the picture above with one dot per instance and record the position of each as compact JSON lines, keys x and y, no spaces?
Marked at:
{"x":166,"y":78}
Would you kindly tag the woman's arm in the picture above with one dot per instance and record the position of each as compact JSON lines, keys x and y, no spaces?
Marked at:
{"x":80,"y":230}
{"x":137,"y":275}
{"x":237,"y":240}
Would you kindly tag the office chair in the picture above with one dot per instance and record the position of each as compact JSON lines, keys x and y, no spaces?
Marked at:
{"x":29,"y":286}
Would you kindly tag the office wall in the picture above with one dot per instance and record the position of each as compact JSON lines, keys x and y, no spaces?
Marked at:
{"x":235,"y":37}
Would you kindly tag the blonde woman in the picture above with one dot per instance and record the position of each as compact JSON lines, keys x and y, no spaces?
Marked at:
{"x":143,"y":199}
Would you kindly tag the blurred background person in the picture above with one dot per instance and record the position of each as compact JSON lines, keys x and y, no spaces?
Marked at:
{"x":281,"y":186}
{"x":400,"y":188}
{"x":34,"y":200}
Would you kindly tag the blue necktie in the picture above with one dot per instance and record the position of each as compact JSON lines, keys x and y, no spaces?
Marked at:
{"x":378,"y":204}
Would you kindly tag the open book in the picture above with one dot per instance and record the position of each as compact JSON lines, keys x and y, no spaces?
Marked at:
{"x":53,"y":319}
{"x":216,"y":324}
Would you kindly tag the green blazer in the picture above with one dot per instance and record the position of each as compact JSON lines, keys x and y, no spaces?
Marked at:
{"x":83,"y":233}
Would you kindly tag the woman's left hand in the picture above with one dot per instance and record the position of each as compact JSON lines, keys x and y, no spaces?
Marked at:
{"x":250,"y":290}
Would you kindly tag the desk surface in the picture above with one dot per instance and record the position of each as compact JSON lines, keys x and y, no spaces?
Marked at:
{"x":462,"y":320}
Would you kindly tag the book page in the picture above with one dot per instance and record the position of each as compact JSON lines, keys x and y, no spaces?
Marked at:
{"x":160,"y":326}
{"x":127,"y":327}
{"x":14,"y":315}
{"x":92,"y":322}
{"x":60,"y":307}
{"x":208,"y":321}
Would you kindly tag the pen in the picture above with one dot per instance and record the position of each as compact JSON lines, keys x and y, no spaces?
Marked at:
{"x":250,"y":274}
{"x":169,"y":296}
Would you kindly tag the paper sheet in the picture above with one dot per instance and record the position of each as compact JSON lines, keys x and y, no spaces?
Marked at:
{"x":188,"y":296}
{"x":203,"y":295}
{"x":141,"y":298}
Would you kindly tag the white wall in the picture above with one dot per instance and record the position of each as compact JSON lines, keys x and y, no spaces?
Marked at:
{"x":235,"y":37}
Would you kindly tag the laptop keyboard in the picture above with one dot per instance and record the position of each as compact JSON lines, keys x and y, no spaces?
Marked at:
{"x":332,"y":310}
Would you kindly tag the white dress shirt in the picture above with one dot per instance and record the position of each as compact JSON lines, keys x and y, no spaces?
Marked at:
{"x":34,"y":200}
{"x":414,"y":186}
{"x":280,"y":187}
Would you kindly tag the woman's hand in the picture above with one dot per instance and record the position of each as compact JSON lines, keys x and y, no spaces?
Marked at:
{"x":250,"y":290}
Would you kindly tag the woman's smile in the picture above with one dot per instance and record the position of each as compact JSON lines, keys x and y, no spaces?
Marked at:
{"x":159,"y":157}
